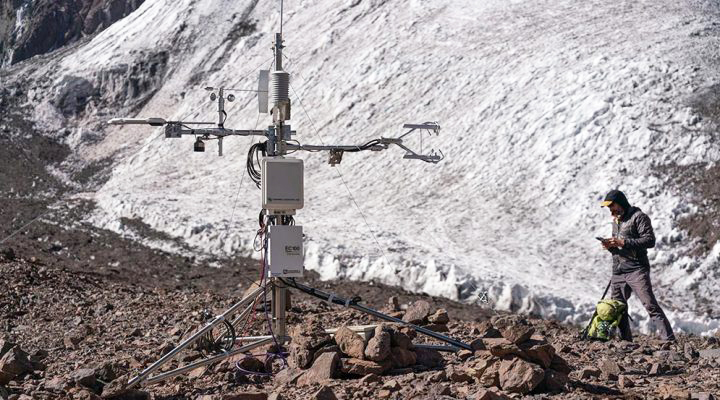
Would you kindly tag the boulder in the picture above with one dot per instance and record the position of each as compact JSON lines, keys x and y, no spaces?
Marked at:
{"x":463,"y":355}
{"x":57,"y":384}
{"x":491,"y":375}
{"x":710,"y":353}
{"x":625,"y":382}
{"x":537,"y":349}
{"x":477,"y":344}
{"x":673,"y":392}
{"x":478,"y":367}
{"x":514,"y":328}
{"x":287,"y":376}
{"x":589,"y":372}
{"x":559,"y":364}
{"x":391,"y":385}
{"x":5,"y":346}
{"x":350,"y":343}
{"x":324,"y":393}
{"x":402,"y":358}
{"x":323,"y":369}
{"x":658,"y":368}
{"x":437,"y":327}
{"x":356,"y":366}
{"x":457,"y":375}
{"x":519,"y":376}
{"x":84,"y":377}
{"x":417,"y":312}
{"x":485,"y":329}
{"x":489,"y":394}
{"x":378,"y":347}
{"x":307,"y":338}
{"x":555,"y":381}
{"x":429,"y":358}
{"x":13,"y":363}
{"x":501,"y":347}
{"x":609,"y":369}
{"x":702,"y":395}
{"x":370,"y":378}
{"x":116,"y":390}
{"x":439,"y":317}
{"x":393,"y":304}
{"x":400,"y":339}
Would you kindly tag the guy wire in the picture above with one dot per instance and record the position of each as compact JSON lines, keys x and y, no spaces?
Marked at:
{"x":312,"y":123}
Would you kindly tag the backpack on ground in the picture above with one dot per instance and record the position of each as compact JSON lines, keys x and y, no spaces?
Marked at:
{"x":606,"y":320}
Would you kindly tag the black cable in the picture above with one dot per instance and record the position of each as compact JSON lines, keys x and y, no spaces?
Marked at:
{"x":253,"y":159}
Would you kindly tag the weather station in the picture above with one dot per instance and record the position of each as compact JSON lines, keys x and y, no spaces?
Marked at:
{"x":280,"y":179}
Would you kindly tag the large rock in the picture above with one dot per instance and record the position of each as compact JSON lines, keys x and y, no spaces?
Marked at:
{"x":491,"y":375}
{"x":559,"y":364}
{"x":537,"y":349}
{"x":457,"y":375}
{"x":324,"y":393}
{"x":84,"y":377}
{"x":417,"y":312}
{"x":555,"y":381}
{"x":400,"y":336}
{"x":429,"y":358}
{"x":485,"y":329}
{"x":710,"y":353}
{"x":5,"y":346}
{"x":514,"y":328}
{"x":15,"y":362}
{"x":489,"y":394}
{"x":500,"y":347}
{"x":350,"y":343}
{"x":378,"y":347}
{"x":672,"y":392}
{"x":439,"y":317}
{"x":307,"y":338}
{"x":477,"y":368}
{"x":355,"y":366}
{"x":402,"y":358}
{"x":609,"y":369}
{"x":520,"y":376}
{"x":323,"y":369}
{"x":117,"y":390}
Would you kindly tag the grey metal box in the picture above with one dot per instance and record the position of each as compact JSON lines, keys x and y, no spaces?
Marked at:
{"x":282,"y":183}
{"x":286,"y":256}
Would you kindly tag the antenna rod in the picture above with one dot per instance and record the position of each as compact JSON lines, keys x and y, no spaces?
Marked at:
{"x":278,"y":51}
{"x":281,"y":16}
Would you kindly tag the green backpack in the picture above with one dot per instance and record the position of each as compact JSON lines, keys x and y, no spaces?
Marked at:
{"x":607,"y":317}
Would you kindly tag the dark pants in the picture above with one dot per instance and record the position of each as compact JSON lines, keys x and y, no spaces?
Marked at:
{"x":638,"y":282}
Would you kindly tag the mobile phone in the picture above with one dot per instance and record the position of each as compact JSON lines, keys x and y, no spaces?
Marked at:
{"x":600,"y":239}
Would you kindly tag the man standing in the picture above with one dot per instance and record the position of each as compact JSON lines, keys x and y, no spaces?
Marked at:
{"x":632,"y":235}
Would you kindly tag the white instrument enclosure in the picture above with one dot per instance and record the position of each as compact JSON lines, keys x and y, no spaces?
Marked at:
{"x":286,"y":253}
{"x":282,"y":183}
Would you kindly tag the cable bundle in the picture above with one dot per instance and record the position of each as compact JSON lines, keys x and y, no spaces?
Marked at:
{"x":253,"y":161}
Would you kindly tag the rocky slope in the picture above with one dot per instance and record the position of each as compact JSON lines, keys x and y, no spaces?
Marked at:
{"x":79,"y":335}
{"x":32,"y":27}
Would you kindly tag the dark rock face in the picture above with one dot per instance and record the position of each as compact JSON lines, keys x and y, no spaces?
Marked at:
{"x":29,"y":28}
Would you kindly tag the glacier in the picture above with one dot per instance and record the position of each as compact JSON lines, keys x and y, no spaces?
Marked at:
{"x":544,"y":107}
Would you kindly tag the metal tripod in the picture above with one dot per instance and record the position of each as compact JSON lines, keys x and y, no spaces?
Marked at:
{"x":246,"y":304}
{"x":279,"y":289}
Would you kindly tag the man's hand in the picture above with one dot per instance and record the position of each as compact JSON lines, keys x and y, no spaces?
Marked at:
{"x":613,"y":243}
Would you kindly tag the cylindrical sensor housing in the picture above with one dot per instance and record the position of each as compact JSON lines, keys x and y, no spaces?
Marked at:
{"x":279,"y":88}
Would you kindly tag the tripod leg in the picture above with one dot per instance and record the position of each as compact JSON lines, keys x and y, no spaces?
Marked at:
{"x":206,"y":361}
{"x":187,"y":342}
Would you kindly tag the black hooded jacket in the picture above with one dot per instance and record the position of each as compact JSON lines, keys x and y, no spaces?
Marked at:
{"x":635,"y":228}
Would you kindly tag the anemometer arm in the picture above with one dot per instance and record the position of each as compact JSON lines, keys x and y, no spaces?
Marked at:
{"x":383,"y":143}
